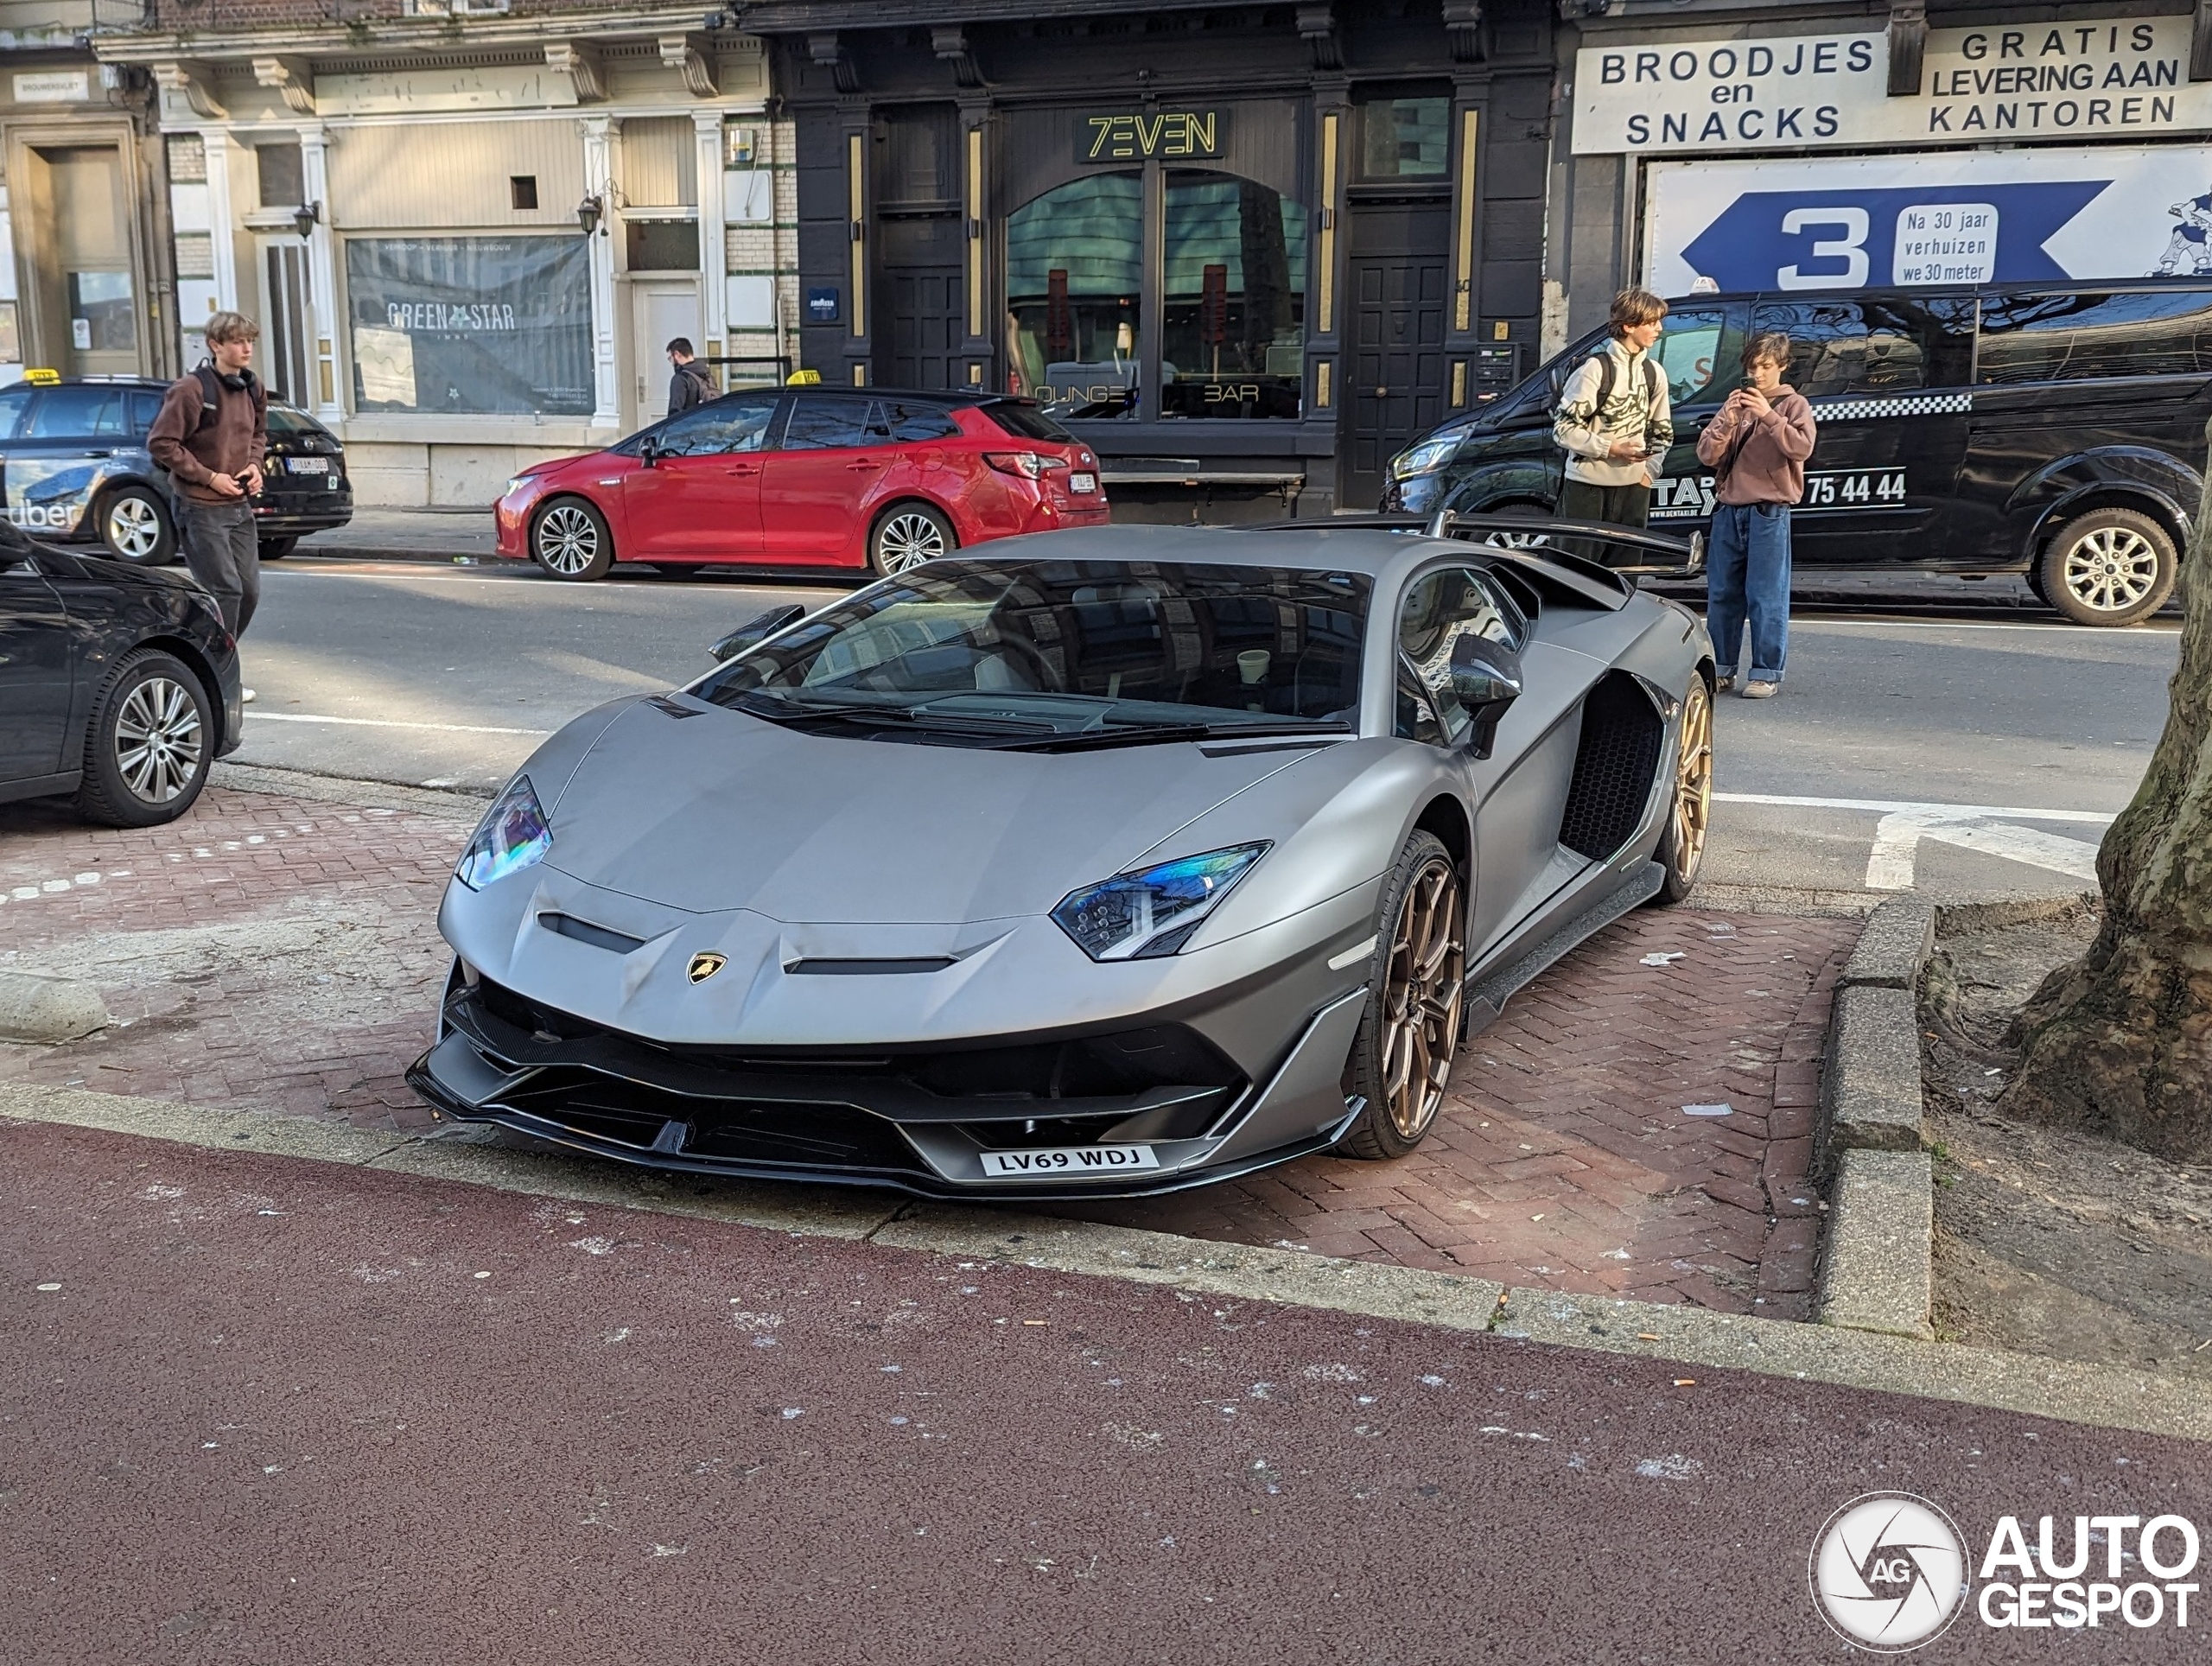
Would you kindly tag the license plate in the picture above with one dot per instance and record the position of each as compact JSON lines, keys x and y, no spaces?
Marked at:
{"x":307,"y":465}
{"x":1067,"y":1160}
{"x":1084,"y":481}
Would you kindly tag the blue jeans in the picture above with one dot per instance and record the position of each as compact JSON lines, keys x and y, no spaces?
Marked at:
{"x":1747,"y":571}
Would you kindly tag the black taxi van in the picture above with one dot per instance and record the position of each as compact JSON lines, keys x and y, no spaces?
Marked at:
{"x":2052,"y":431}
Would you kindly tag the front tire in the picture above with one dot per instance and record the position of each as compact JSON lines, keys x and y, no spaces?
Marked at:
{"x":569,"y":540}
{"x":1416,"y":1004}
{"x":135,"y":526}
{"x":2109,"y":567}
{"x":1689,"y":813}
{"x":152,"y":739}
{"x":906,"y":535}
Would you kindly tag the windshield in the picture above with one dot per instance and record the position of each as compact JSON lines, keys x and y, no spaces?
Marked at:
{"x":1049,"y":649}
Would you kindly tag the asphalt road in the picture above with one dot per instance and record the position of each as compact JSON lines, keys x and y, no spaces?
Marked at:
{"x":259,"y":1410}
{"x":1905,"y":733}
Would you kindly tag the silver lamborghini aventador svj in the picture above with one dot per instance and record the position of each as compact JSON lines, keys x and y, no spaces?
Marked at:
{"x":1085,"y":864}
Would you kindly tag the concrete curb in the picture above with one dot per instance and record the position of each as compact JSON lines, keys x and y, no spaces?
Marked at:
{"x":1878,"y":1259}
{"x":36,"y":1008}
{"x":458,"y":803}
{"x":2104,"y":1397}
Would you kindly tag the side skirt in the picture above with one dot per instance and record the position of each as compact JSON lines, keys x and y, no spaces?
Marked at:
{"x":1486,"y":996}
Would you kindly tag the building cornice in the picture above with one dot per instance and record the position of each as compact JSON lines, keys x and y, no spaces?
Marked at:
{"x":398,"y":37}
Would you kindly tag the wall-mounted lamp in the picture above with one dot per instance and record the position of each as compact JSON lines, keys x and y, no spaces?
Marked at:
{"x":588,"y":215}
{"x":304,"y":218}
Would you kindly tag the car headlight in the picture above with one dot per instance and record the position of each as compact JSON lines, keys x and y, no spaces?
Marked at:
{"x":517,"y":484}
{"x":1153,"y":910}
{"x":1422,"y":458}
{"x":512,"y":835}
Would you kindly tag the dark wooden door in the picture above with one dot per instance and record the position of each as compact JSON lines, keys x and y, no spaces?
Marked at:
{"x":922,"y":279}
{"x":1395,"y":381}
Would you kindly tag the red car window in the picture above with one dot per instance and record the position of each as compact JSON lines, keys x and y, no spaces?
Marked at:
{"x":828,"y":424}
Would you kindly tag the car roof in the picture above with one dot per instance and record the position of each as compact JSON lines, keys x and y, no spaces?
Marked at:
{"x":947,"y":396}
{"x":1365,"y":550}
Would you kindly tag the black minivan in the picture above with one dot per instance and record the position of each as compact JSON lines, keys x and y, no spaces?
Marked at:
{"x":2057,"y":431}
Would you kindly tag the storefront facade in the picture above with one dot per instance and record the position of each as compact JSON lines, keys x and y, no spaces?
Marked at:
{"x":467,"y":239}
{"x":1246,"y":253}
{"x":84,"y":284}
{"x":1872,"y":146}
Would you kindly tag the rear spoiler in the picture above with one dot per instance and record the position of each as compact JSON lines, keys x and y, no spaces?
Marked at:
{"x":1557,"y":549}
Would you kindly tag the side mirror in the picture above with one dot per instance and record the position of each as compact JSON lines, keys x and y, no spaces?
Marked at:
{"x":1484,"y":687}
{"x":649,"y":451}
{"x":754,"y":631}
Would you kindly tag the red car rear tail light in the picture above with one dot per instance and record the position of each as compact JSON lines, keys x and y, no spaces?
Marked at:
{"x":1030,"y":465}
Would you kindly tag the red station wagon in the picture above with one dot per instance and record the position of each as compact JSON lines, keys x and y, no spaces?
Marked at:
{"x":805,"y":477}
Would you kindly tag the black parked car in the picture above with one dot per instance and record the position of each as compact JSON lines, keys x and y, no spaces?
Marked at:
{"x":74,"y":465}
{"x":118,"y":683}
{"x":2053,"y":430}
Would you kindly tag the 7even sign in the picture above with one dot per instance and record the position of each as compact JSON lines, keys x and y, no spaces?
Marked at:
{"x":1140,"y":135}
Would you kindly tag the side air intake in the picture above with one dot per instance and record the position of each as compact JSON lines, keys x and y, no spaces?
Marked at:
{"x":1614,"y":767}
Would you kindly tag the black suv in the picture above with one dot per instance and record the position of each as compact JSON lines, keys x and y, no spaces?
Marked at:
{"x":2054,"y":430}
{"x":74,"y":464}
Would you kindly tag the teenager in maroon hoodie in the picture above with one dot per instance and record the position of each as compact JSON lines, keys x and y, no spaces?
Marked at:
{"x":1756,"y":448}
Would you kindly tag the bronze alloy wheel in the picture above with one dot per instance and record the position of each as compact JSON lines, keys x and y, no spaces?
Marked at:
{"x":1423,"y":998}
{"x":1692,"y":808}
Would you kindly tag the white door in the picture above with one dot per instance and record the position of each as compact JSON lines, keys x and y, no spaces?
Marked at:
{"x":284,"y":362}
{"x":660,"y":310}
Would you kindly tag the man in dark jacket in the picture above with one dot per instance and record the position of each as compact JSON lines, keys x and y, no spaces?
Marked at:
{"x":688,"y":387}
{"x":211,"y":435}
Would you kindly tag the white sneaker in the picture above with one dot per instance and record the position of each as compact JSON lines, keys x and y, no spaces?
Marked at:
{"x":246,"y":697}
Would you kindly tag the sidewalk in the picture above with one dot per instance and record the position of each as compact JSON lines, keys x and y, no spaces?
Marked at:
{"x":279,"y":955}
{"x":407,"y":535}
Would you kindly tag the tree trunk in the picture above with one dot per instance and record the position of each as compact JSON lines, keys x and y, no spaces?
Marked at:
{"x":2120,"y":1042}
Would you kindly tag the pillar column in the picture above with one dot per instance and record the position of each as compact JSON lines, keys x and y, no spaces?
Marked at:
{"x":322,"y":287}
{"x":222,"y":230}
{"x":600,"y":133}
{"x":714,"y":312}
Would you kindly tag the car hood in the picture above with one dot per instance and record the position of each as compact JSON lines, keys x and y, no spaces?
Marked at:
{"x":719,"y":810}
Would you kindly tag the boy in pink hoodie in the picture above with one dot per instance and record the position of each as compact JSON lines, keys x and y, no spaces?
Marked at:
{"x":1757,"y":448}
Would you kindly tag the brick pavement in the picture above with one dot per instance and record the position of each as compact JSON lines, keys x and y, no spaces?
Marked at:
{"x":280,"y":954}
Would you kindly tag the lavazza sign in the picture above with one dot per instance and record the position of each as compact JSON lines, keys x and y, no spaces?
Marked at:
{"x":2105,"y":79}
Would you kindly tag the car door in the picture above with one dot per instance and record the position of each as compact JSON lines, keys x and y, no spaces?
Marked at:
{"x":2060,"y":373}
{"x":37,"y":672}
{"x":819,"y":478}
{"x":1887,"y":378}
{"x":66,"y":444}
{"x":1518,"y":793}
{"x":695,"y":493}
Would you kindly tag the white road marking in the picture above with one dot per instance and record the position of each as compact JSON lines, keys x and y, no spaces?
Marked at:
{"x":1932,"y":812}
{"x":382,"y":722}
{"x":2024,"y":844}
{"x":1895,"y":847}
{"x":2084,"y":632}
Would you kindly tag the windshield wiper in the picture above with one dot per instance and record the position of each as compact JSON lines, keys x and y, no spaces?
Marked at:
{"x":789,"y":708}
{"x":1145,"y":735}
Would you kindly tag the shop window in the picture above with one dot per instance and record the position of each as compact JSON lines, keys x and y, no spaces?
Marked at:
{"x":1073,"y":262}
{"x":1234,"y":320}
{"x":1845,"y":347}
{"x":2073,"y":338}
{"x":282,"y":174}
{"x":471,"y":325}
{"x":521,"y":192}
{"x":102,"y":316}
{"x":662,"y":245}
{"x":1406,"y":138}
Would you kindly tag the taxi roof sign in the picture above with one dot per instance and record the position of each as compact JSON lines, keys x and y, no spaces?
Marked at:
{"x":42,"y":377}
{"x":803,"y":379}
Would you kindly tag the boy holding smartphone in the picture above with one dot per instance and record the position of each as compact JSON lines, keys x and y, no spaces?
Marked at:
{"x":1756,"y":448}
{"x":1614,"y":421}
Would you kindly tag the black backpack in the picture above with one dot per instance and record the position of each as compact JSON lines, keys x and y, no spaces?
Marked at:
{"x":1609,"y":373}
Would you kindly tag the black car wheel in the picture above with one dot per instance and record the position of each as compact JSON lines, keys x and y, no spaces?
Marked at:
{"x":907,"y":535}
{"x":1416,"y":1002}
{"x":2109,"y":567}
{"x":134,"y":524}
{"x":570,"y":540}
{"x":152,"y":738}
{"x":1531,"y":511}
{"x":277,"y":548}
